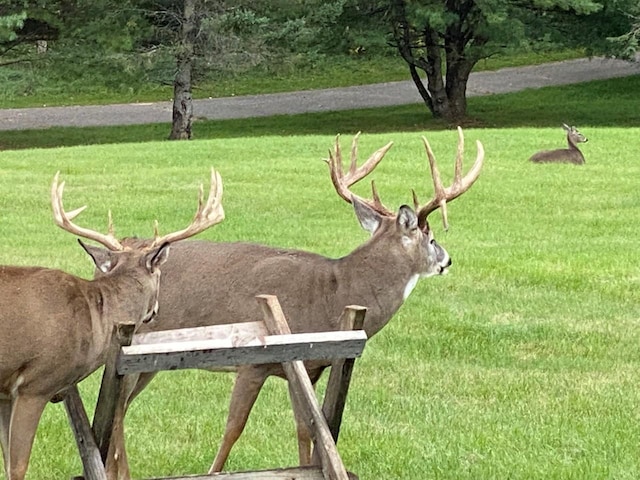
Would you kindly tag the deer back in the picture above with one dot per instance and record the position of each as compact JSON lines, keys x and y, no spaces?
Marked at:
{"x":49,"y":317}
{"x":213,"y":283}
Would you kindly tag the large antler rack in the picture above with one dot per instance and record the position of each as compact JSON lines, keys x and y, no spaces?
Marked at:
{"x":342,"y":181}
{"x":208,"y":214}
{"x":64,"y":219}
{"x":460,"y":184}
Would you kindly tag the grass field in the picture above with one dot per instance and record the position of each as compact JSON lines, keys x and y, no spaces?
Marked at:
{"x":522,"y":363}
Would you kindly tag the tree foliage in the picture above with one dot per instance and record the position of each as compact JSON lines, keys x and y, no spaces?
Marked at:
{"x":123,"y":44}
{"x":446,"y":39}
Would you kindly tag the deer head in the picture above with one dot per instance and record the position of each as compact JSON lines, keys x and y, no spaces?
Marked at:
{"x":410,"y":226}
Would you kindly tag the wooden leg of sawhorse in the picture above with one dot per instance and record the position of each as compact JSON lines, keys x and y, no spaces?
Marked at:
{"x":89,"y":452}
{"x":93,"y":442}
{"x":303,"y":395}
{"x":335,"y":397}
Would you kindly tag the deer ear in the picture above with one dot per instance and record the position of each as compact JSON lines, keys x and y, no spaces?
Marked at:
{"x":407,"y":218}
{"x":102,"y":258}
{"x":369,"y":219}
{"x":156,"y":257}
{"x":566,"y":127}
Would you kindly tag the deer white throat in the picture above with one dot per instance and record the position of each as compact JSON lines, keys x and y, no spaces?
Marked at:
{"x":411,"y":284}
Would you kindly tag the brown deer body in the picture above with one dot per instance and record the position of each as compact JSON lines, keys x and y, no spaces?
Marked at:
{"x":55,"y":328}
{"x":571,"y":154}
{"x":222,"y":280}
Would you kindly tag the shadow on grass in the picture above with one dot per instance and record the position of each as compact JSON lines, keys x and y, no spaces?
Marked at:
{"x":602,"y":103}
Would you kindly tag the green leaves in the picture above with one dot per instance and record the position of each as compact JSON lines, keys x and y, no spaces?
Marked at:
{"x":9,"y":24}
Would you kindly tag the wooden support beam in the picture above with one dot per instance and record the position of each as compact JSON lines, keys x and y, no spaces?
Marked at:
{"x":89,"y":452}
{"x":238,"y":333}
{"x":296,"y":473}
{"x":110,"y":389}
{"x":304,"y":398}
{"x":335,"y":397}
{"x":217,"y":352}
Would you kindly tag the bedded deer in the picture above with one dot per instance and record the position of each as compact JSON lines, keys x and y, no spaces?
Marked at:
{"x":571,"y":154}
{"x":55,"y":327}
{"x":221,"y":281}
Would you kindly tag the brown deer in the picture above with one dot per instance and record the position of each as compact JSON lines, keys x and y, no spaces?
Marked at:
{"x":222,"y":280}
{"x":571,"y":154}
{"x":55,"y":327}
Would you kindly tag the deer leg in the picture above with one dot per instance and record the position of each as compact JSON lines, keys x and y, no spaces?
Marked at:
{"x":249,"y":382}
{"x":5,"y":419}
{"x":25,"y":416}
{"x":117,"y":465}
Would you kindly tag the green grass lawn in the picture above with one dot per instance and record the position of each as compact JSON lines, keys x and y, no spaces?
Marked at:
{"x":522,"y":363}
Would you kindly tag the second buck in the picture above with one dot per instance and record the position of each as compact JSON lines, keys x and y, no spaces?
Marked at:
{"x":571,"y":154}
{"x":222,"y":280}
{"x":55,"y":328}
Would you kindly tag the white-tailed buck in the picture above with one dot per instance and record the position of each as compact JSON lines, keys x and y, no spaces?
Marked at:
{"x":571,"y":154}
{"x":212,"y":283}
{"x":55,"y":328}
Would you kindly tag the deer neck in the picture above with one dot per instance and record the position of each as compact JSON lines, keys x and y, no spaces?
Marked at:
{"x":572,"y":143}
{"x":377,"y":278}
{"x":110,"y":301}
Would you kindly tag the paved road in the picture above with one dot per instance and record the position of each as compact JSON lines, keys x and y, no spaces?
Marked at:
{"x":332,"y":99}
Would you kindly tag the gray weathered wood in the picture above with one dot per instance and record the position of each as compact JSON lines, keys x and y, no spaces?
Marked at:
{"x":335,"y":397}
{"x":304,"y":398}
{"x":240,"y":333}
{"x":110,"y":389}
{"x":296,"y":473}
{"x":223,"y":352}
{"x":235,"y":344}
{"x":89,"y":452}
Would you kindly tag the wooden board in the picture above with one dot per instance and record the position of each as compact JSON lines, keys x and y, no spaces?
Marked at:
{"x":153,"y":357}
{"x":296,"y":473}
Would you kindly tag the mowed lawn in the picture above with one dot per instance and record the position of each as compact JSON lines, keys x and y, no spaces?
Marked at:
{"x":522,"y":363}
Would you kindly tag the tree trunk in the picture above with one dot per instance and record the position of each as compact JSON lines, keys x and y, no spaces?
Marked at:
{"x":458,"y":71}
{"x":182,"y":100}
{"x":444,"y":56}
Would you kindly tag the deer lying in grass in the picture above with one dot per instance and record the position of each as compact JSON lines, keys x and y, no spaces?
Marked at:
{"x":571,"y":154}
{"x":55,"y":328}
{"x":222,"y":280}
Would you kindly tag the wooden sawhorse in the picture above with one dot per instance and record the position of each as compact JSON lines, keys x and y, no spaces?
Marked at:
{"x":270,"y":341}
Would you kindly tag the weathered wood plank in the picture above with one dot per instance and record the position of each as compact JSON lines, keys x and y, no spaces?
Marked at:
{"x":89,"y":452}
{"x":296,"y":473}
{"x":110,"y":389}
{"x":222,"y":353}
{"x":304,"y":398}
{"x":335,"y":397}
{"x":240,"y":333}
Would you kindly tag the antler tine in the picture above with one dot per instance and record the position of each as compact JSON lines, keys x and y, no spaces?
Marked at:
{"x":209,"y":213}
{"x":64,"y":219}
{"x":460,"y":184}
{"x":342,"y":181}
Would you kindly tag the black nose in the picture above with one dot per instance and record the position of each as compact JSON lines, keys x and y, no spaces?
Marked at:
{"x":449,"y":263}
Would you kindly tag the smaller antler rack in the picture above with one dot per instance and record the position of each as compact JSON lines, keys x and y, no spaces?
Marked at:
{"x":209,"y":213}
